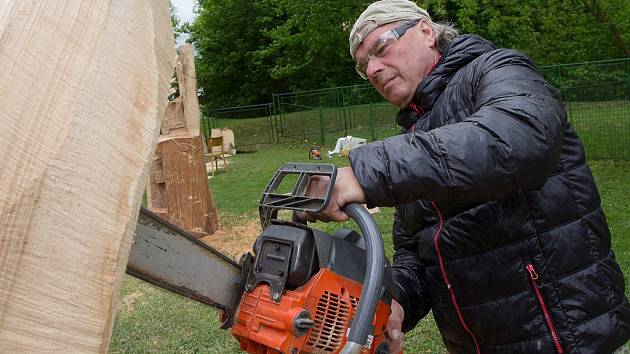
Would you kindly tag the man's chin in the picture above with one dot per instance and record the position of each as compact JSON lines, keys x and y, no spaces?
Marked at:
{"x":396,"y":95}
{"x":397,"y":99}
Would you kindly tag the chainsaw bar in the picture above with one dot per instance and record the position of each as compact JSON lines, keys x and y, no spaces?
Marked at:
{"x":171,"y":258}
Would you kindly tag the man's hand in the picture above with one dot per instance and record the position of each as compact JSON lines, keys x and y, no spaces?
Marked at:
{"x":394,"y":325}
{"x":346,"y":190}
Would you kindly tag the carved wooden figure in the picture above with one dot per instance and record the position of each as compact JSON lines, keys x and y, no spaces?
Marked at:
{"x":178,"y":183}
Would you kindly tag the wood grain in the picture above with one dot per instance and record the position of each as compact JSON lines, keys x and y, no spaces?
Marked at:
{"x":84,"y":85}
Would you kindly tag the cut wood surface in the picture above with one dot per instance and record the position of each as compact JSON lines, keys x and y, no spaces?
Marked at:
{"x":185,"y":181}
{"x":178,"y":183}
{"x":84,"y":85}
{"x":187,"y":81}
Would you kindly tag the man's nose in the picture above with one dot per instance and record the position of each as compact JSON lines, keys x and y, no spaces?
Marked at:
{"x":374,"y":66}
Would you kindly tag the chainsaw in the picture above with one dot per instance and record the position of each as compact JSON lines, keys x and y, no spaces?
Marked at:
{"x":302,"y":291}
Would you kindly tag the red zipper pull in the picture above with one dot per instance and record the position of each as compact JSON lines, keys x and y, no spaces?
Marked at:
{"x":532,"y":273}
{"x":554,"y":335}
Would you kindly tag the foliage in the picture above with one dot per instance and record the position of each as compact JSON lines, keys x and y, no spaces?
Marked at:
{"x":310,"y":47}
{"x":178,"y":28}
{"x":227,"y":36}
{"x":247,"y":50}
{"x":564,"y":31}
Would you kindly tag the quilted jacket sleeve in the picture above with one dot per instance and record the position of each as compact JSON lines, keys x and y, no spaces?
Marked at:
{"x":510,"y":142}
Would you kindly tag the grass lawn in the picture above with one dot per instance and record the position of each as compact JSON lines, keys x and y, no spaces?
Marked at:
{"x":152,"y":320}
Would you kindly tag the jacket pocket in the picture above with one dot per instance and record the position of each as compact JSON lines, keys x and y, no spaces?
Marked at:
{"x":533,"y":276}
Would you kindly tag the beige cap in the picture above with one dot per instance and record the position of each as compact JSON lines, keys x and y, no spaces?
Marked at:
{"x":380,"y":13}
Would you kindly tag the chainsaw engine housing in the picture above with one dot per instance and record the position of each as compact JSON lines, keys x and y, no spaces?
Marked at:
{"x":302,"y":292}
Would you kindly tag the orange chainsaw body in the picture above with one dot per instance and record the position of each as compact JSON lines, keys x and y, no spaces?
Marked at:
{"x":265,"y":326}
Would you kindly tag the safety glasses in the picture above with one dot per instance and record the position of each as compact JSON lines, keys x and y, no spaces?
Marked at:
{"x":379,"y":48}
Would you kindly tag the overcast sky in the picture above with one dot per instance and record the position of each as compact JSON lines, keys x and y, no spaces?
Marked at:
{"x":184,"y":10}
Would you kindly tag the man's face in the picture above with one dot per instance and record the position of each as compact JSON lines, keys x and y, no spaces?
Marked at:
{"x":401,"y":65}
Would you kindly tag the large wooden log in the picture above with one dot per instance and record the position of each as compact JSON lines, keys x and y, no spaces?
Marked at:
{"x":178,"y":187}
{"x":84,"y":85}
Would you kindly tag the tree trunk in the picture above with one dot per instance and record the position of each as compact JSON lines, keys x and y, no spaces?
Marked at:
{"x":594,"y":7}
{"x":84,"y":88}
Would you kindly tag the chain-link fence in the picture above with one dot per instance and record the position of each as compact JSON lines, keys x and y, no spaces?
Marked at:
{"x":252,"y":125}
{"x":596,"y":95}
{"x":597,"y":98}
{"x":322,"y":116}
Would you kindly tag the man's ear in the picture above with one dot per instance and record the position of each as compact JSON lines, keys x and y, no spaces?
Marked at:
{"x":427,"y":32}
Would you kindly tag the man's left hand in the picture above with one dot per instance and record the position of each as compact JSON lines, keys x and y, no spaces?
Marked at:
{"x":345,"y":191}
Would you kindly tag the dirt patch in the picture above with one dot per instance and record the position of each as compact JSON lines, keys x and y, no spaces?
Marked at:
{"x":234,"y":241}
{"x":126,"y":305}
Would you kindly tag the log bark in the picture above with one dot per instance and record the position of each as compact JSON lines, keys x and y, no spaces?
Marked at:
{"x":84,"y":88}
{"x":185,"y":182}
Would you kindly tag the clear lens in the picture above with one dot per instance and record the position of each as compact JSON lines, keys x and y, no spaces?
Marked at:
{"x":380,"y":47}
{"x":358,"y":67}
{"x":377,"y":51}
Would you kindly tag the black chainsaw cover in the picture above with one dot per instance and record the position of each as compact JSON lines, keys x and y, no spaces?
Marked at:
{"x":290,"y":253}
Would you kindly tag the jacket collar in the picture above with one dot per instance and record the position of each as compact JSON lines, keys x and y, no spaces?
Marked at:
{"x":461,"y":51}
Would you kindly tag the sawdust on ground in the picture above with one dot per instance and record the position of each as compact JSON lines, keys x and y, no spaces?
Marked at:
{"x":236,"y":240}
{"x":126,"y":304}
{"x":128,"y":301}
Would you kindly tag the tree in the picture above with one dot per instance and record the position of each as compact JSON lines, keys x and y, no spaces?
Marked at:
{"x":555,"y":31}
{"x":175,"y":21}
{"x":248,"y":50}
{"x":228,"y":36}
{"x":612,"y":15}
{"x":310,"y":49}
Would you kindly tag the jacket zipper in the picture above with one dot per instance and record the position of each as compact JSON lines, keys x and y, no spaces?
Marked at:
{"x":436,"y":238}
{"x":554,"y":336}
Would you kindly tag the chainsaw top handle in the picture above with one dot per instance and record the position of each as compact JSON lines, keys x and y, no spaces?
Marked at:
{"x":272,"y":201}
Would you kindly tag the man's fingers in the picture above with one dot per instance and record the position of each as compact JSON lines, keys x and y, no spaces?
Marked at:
{"x":394,"y":325}
{"x":395,"y":335}
{"x":303,"y":216}
{"x":396,"y":317}
{"x":338,"y":216}
{"x":395,"y":339}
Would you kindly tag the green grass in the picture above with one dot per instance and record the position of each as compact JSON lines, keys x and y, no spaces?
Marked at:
{"x":613,"y":182}
{"x":604,"y":127}
{"x":152,"y":320}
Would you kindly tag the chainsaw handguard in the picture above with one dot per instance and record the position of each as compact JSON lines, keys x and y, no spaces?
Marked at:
{"x":374,"y":273}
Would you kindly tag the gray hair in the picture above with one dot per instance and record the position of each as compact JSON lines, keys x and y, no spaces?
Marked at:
{"x":444,"y":33}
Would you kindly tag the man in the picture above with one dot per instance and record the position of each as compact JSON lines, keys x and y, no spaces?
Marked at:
{"x":498,"y":226}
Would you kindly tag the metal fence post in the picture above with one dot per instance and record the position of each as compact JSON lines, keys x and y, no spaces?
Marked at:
{"x":321,"y":125}
{"x":274,"y":132}
{"x":371,"y":122}
{"x":279,"y":122}
{"x":270,"y":122}
{"x":338,"y":105}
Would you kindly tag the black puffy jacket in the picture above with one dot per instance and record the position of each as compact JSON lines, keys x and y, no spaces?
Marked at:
{"x":494,"y":197}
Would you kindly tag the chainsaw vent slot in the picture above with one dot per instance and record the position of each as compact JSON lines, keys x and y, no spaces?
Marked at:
{"x":331,"y":319}
{"x":355,"y":303}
